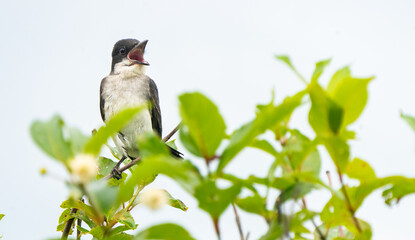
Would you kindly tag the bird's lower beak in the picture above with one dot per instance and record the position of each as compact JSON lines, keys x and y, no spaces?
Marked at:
{"x":136,"y":54}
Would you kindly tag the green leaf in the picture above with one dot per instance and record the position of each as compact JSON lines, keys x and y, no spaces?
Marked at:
{"x":80,"y":214}
{"x":336,"y":213}
{"x":409,"y":119}
{"x":320,"y":66}
{"x":113,"y":125}
{"x":287,"y":61}
{"x":65,"y":216}
{"x":333,"y":233}
{"x":339,"y":151}
{"x":1,"y":216}
{"x":401,"y":187}
{"x":254,"y":204}
{"x":176,"y":203}
{"x":296,"y":191}
{"x":302,"y":153}
{"x":275,"y":231}
{"x":77,"y":140}
{"x":267,"y":118}
{"x":360,"y":170}
{"x":98,"y":232}
{"x":325,"y":116}
{"x":102,"y":195}
{"x":49,"y":137}
{"x":105,"y":166}
{"x":82,"y":230}
{"x":124,"y":217}
{"x":120,"y":236}
{"x":350,"y":94}
{"x":120,"y":229}
{"x":214,"y":200}
{"x":335,"y":117}
{"x":337,"y":78}
{"x":204,"y":122}
{"x":167,"y":231}
{"x":183,"y":172}
{"x":150,"y":144}
{"x":264,"y":145}
{"x":78,"y":204}
{"x":188,"y":142}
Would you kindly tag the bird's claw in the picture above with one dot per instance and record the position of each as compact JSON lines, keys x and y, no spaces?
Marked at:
{"x":115,"y":173}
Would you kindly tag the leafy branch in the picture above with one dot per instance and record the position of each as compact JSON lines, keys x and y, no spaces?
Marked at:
{"x":293,"y":174}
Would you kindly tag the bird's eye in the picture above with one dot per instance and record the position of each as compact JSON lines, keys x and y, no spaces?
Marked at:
{"x":122,"y":50}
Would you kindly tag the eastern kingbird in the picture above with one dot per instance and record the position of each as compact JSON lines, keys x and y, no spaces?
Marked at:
{"x":128,"y":86}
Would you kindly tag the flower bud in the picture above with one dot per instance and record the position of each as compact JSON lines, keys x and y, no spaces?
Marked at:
{"x":154,"y":198}
{"x":83,"y":167}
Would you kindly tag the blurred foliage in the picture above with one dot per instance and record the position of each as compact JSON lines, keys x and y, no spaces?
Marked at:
{"x":294,"y":173}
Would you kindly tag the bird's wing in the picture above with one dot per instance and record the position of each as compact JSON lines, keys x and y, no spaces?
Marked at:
{"x":155,"y":108}
{"x":102,"y":100}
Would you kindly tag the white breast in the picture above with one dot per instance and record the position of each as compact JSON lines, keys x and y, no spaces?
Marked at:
{"x":120,"y":93}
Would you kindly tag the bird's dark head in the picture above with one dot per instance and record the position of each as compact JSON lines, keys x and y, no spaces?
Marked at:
{"x":127,"y":55}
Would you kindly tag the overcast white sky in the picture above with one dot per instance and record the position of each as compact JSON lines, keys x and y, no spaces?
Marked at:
{"x":55,"y":53}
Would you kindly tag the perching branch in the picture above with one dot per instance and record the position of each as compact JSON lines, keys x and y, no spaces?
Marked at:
{"x":168,"y":136}
{"x":135,"y":161}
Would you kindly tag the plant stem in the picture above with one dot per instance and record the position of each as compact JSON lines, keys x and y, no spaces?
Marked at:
{"x":238,"y":221}
{"x":216,"y":225}
{"x":78,"y":232}
{"x":130,"y":204}
{"x":322,"y":237}
{"x":349,"y":204}
{"x":68,"y":225}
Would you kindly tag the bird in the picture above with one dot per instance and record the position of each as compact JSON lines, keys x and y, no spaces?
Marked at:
{"x":127,"y":85}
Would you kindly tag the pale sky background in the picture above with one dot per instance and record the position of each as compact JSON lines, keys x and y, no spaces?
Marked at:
{"x":55,"y":53}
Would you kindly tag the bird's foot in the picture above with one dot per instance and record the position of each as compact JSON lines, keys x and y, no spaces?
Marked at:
{"x":116,"y":173}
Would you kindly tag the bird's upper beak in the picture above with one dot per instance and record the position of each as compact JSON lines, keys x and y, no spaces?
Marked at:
{"x":136,"y":54}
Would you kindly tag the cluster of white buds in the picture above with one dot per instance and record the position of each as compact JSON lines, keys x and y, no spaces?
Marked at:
{"x":83,"y":167}
{"x":154,"y":198}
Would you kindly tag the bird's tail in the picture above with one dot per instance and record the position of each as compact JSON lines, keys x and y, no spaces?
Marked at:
{"x":175,"y":153}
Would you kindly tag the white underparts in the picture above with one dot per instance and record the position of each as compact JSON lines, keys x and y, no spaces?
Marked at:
{"x":127,"y":87}
{"x":127,"y":70}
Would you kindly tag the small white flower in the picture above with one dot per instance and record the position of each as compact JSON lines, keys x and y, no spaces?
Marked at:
{"x":83,"y":167}
{"x":154,"y":198}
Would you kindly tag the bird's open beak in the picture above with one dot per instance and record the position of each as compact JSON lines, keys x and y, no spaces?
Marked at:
{"x":136,"y":54}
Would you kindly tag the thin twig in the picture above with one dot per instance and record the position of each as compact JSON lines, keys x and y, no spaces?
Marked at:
{"x":217,"y":229}
{"x":168,"y":136}
{"x":349,"y":203}
{"x":313,"y":222}
{"x":78,"y":232}
{"x":238,"y":221}
{"x":329,"y":177}
{"x":130,"y":204}
{"x":68,"y":225}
